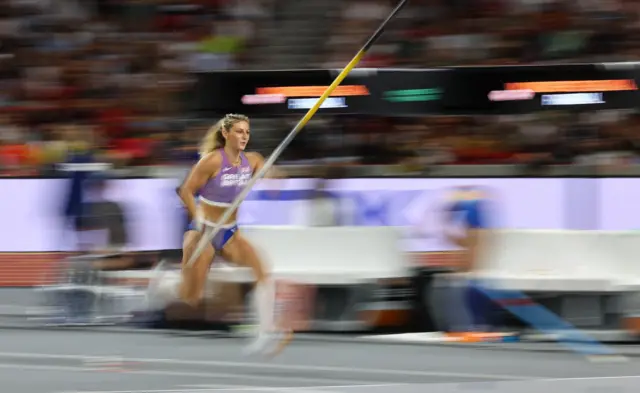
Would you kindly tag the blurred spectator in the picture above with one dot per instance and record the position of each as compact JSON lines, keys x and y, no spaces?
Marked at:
{"x":122,"y":69}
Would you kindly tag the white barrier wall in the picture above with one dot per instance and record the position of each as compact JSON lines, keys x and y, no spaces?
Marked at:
{"x":563,"y":261}
{"x":320,"y":255}
{"x":331,"y":255}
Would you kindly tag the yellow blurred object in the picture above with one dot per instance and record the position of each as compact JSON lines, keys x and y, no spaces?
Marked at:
{"x":52,"y":152}
{"x":78,"y":145}
{"x":220,"y":44}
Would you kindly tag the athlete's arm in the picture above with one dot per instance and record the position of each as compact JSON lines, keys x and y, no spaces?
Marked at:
{"x":257,"y":162}
{"x":206,"y":168}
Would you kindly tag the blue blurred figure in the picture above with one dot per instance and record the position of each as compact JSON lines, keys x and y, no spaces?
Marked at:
{"x":79,"y":170}
{"x":468,"y":221}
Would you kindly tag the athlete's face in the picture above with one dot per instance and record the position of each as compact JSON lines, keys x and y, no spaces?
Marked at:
{"x":238,"y":135}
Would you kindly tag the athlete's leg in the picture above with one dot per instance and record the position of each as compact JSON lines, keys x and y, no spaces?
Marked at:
{"x":472,"y":301}
{"x":241,"y":252}
{"x":194,"y":277}
{"x":470,"y":310}
{"x":479,"y":305}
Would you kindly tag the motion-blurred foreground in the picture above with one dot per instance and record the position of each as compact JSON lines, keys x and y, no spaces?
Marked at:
{"x":101,"y":114}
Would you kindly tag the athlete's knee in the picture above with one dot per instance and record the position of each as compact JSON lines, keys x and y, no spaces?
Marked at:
{"x":193,"y":284}
{"x":260,"y":274}
{"x":242,"y":253}
{"x":256,"y":263}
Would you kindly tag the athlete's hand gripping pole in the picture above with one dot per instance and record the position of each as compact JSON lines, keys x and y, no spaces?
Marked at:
{"x":210,"y":232}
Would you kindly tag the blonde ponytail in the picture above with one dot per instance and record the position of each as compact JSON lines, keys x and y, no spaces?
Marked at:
{"x":214,"y":138}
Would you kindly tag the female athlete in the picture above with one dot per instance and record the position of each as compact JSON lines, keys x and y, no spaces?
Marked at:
{"x":222,"y":172}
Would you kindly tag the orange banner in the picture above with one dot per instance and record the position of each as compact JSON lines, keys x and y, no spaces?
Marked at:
{"x":314,"y":91}
{"x":30,"y":269}
{"x":574,"y":86}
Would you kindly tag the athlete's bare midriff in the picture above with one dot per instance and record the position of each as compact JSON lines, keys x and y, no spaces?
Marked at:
{"x":214,"y":213}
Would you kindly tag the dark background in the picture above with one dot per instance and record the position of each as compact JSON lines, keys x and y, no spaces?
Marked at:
{"x":464,"y":90}
{"x":468,"y":88}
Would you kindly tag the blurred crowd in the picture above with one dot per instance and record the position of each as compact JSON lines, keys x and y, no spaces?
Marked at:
{"x":456,"y":32}
{"x":113,"y":77}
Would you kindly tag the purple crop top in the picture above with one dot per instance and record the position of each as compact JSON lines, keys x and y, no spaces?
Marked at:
{"x":222,"y":189}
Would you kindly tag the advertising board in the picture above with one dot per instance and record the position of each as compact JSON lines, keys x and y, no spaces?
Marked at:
{"x":414,"y":204}
{"x":32,"y":214}
{"x":527,"y":89}
{"x":279,"y":92}
{"x":154,"y":218}
{"x":422,"y":92}
{"x":619,"y":208}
